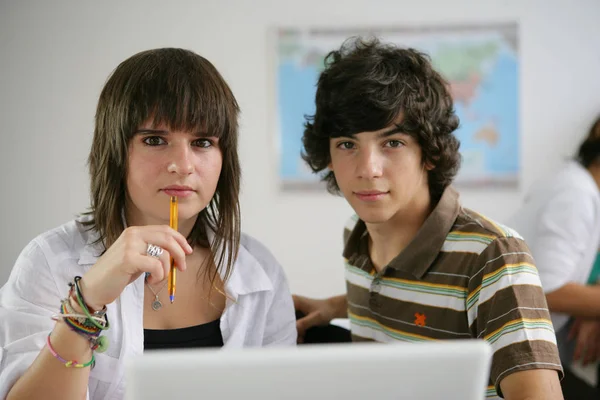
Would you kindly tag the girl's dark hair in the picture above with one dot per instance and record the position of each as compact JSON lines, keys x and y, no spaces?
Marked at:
{"x":184,"y":91}
{"x":366,"y":86}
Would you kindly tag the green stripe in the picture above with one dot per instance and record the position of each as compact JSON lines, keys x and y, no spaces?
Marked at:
{"x":413,"y":287}
{"x":468,"y":238}
{"x":496,"y":277}
{"x":518,"y":326}
{"x":416,"y":287}
{"x":393,"y":334}
{"x":473,"y":300}
{"x":509,"y":270}
{"x":357,"y":270}
{"x":491,"y":394}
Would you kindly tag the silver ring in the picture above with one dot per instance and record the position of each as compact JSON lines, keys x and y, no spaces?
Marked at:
{"x":154,"y":250}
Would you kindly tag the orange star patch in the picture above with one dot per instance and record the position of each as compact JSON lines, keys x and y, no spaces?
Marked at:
{"x":420,"y":319}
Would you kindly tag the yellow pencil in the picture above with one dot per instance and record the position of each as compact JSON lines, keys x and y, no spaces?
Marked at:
{"x":173,"y":272}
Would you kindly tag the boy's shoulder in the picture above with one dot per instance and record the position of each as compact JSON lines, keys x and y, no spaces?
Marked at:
{"x":484,"y":240}
{"x":472,"y":222}
{"x":489,"y":248}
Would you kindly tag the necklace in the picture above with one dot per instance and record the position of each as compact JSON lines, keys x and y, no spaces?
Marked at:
{"x":156,"y":304}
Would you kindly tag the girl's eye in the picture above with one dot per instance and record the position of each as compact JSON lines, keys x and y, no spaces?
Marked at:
{"x":153,"y":141}
{"x":204,"y":143}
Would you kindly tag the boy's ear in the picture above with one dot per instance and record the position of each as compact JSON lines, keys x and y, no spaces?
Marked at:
{"x":428,"y":165}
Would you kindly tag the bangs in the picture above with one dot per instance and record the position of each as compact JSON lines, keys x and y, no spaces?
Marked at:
{"x":350,"y":118}
{"x":351,"y":109}
{"x":182,"y":91}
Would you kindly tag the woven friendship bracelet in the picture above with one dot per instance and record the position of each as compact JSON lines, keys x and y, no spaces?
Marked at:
{"x":86,"y":311}
{"x":69,"y":363}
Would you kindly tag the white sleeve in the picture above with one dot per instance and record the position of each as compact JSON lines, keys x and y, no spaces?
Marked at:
{"x":27,"y":302}
{"x":280,"y":322}
{"x":564,"y":233}
{"x":281,"y":317}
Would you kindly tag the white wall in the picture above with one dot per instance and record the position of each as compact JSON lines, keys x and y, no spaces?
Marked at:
{"x":56,"y":55}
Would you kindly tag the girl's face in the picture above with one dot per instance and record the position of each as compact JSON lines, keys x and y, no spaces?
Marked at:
{"x":164,"y":163}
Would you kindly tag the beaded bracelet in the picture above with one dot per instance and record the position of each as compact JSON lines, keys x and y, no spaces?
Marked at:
{"x":72,"y":363}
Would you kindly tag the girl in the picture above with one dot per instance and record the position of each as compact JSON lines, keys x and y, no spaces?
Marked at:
{"x":85,"y":296}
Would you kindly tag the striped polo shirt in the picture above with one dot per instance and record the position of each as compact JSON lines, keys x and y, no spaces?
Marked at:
{"x":463,"y":276}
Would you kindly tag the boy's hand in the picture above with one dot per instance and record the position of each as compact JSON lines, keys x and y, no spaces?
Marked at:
{"x":316,"y":313}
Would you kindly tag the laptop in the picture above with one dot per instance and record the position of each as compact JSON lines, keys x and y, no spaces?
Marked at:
{"x":426,"y":371}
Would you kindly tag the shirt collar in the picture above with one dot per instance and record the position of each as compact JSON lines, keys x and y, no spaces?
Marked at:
{"x":93,"y":247}
{"x":248,"y":275}
{"x":421,"y":252}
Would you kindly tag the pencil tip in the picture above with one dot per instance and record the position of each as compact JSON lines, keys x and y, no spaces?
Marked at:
{"x":172,"y":298}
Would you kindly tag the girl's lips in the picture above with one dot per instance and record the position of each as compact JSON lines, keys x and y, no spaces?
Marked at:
{"x":178,"y":192}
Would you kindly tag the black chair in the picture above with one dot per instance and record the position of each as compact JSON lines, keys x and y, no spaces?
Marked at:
{"x":325,"y":334}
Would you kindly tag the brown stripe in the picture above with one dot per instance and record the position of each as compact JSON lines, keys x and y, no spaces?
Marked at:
{"x":356,"y":295}
{"x":452,"y":263}
{"x":506,"y":300}
{"x":476,"y":223}
{"x":497,"y":254}
{"x":439,"y":323}
{"x":518,"y":355}
{"x":347,"y":233}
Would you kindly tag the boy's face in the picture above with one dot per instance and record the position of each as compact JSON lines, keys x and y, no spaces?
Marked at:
{"x":380,"y":173}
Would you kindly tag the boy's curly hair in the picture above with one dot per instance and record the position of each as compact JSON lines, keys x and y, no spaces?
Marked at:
{"x":365,"y":86}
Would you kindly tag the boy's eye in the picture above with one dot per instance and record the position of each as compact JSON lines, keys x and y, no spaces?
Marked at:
{"x":153,"y":140}
{"x":346,"y":145}
{"x":394,"y":143}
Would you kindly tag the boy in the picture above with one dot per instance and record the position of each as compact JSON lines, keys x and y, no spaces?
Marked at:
{"x":419,"y":266}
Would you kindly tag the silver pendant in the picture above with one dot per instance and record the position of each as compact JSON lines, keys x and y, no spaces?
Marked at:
{"x":156,"y":304}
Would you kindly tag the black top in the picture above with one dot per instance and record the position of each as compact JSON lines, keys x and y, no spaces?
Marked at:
{"x":205,"y":335}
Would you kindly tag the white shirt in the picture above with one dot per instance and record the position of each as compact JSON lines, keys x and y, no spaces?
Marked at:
{"x":259,"y":313}
{"x":560,"y":221}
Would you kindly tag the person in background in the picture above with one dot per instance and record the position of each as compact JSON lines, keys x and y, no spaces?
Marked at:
{"x":560,"y":220}
{"x":419,"y":266}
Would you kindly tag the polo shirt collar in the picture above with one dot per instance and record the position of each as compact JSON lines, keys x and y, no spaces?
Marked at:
{"x":422,"y":251}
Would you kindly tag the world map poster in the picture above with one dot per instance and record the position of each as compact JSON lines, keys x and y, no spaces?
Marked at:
{"x":480,"y":63}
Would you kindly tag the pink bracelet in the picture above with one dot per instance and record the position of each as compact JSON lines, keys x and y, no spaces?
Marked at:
{"x":72,"y":363}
